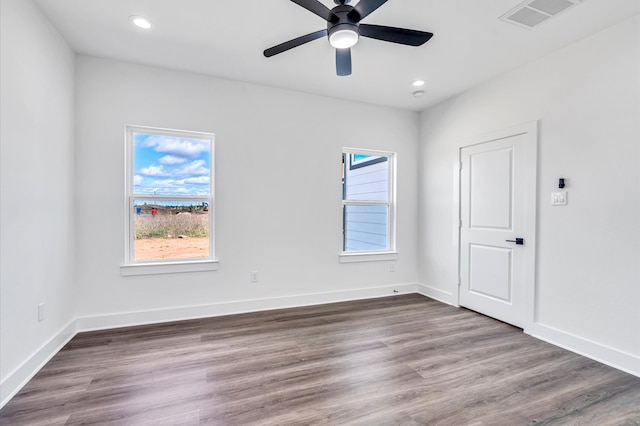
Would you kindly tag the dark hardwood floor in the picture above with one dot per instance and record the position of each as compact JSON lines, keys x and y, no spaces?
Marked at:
{"x":404,"y":360}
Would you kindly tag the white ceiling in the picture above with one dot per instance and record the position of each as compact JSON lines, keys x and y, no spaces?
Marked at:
{"x":226,"y":39}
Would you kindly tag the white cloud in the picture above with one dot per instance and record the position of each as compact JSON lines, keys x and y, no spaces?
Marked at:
{"x":162,"y":183}
{"x":180,"y":147}
{"x":197,"y":180}
{"x":171,"y":160}
{"x":195,"y":168}
{"x":198,"y":185}
{"x":137,"y":180}
{"x":153,"y":171}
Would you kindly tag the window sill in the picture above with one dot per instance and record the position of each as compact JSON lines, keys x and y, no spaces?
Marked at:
{"x":173,"y":267}
{"x":368,"y":257}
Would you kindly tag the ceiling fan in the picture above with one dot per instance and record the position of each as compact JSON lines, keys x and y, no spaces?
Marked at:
{"x":344,"y":29}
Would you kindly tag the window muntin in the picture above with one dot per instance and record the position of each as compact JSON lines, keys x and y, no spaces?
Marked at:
{"x":169,"y":195}
{"x":368,"y":202}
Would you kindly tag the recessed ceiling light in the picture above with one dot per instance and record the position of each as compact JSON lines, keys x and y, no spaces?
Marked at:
{"x":141,"y":22}
{"x":418,"y":83}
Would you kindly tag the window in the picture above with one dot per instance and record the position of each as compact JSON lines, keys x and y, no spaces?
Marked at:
{"x":169,"y":201}
{"x":368,"y":205}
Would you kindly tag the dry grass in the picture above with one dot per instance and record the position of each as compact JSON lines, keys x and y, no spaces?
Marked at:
{"x":194,"y":225}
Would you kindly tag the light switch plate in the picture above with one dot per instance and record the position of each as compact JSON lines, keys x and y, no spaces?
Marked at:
{"x":559,"y":198}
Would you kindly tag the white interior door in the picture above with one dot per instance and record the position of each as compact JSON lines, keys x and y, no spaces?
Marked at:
{"x":497,"y":229}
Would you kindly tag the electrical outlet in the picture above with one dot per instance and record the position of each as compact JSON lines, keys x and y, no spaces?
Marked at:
{"x":392,"y":267}
{"x":254,"y":276}
{"x":41,"y":312}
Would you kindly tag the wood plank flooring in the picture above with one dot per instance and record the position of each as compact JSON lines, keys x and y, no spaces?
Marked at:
{"x":404,"y":360}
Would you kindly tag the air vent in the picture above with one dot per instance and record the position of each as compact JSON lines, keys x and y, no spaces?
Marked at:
{"x":532,"y":13}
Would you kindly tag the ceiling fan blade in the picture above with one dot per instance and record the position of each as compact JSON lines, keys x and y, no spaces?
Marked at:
{"x":283,"y":47}
{"x":395,"y":35}
{"x":314,"y":6}
{"x":343,"y":62}
{"x":364,"y":8}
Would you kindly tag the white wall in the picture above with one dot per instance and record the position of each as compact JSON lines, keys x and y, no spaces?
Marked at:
{"x":36,"y":196}
{"x":277,"y":188}
{"x":587,"y":98}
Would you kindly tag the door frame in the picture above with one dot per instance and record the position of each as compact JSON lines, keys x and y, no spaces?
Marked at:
{"x":530,"y":130}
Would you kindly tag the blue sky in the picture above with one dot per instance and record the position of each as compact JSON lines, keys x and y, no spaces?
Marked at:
{"x":169,"y":165}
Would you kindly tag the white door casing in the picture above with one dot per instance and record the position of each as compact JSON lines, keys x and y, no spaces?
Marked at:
{"x":497,"y":206}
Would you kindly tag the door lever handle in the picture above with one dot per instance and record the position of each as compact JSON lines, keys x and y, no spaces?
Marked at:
{"x":518,"y":241}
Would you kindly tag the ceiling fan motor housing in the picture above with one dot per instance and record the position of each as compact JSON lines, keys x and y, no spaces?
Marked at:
{"x":343,"y":24}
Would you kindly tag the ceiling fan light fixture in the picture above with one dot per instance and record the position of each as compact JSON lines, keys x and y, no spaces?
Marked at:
{"x":343,"y":36}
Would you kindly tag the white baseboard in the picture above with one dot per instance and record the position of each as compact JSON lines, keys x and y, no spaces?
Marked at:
{"x":101,"y":322}
{"x":609,"y":356}
{"x":19,"y":377}
{"x":437,"y":294}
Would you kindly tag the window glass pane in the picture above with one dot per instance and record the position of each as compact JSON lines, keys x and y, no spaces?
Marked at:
{"x":365,"y":228}
{"x":366,"y":177}
{"x":171,"y":165}
{"x":170,"y":230}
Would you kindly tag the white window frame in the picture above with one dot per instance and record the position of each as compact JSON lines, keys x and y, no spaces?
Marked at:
{"x":375,"y":255}
{"x":160,"y":266}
